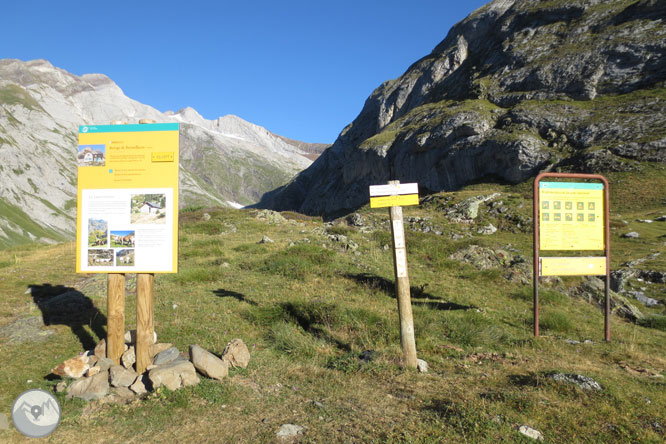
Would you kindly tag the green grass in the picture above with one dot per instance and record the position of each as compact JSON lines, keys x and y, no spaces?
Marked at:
{"x":308,"y":311}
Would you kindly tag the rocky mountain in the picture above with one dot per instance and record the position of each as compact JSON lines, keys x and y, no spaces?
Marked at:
{"x":517,"y":87}
{"x":227,"y":162}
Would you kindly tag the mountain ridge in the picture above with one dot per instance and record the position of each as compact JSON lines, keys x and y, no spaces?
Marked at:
{"x":41,"y":108}
{"x":515,"y":88}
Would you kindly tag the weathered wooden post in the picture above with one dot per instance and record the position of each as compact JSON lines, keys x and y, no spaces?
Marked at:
{"x":393,"y":196}
{"x":145,"y":309}
{"x":115,"y":324}
{"x":145,"y":326}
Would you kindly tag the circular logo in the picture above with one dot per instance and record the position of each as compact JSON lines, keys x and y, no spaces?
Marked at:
{"x":84,"y":129}
{"x":36,"y":413}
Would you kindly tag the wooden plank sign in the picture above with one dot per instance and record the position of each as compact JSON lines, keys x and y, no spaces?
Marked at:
{"x":394,"y":195}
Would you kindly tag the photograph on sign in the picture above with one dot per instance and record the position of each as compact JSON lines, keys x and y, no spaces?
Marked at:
{"x":571,"y":216}
{"x":127,"y":204}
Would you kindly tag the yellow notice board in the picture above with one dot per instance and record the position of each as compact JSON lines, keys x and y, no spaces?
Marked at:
{"x":572,"y":266}
{"x":394,"y":201}
{"x":127,"y":199}
{"x":571,"y":216}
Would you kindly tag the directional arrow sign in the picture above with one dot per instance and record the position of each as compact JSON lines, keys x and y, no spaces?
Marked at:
{"x":394,"y":195}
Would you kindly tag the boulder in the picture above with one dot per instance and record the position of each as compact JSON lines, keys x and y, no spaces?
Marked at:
{"x":119,"y":376}
{"x":95,"y":387}
{"x":236,"y":353}
{"x":122,"y":392}
{"x":72,"y":368}
{"x":158,"y":348}
{"x":139,"y":386}
{"x":208,"y":364}
{"x":166,"y":356}
{"x":174,"y":375}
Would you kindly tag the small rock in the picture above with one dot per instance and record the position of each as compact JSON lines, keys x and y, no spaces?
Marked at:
{"x":100,"y":349}
{"x":174,"y":375}
{"x":421,"y":366}
{"x":208,"y":364}
{"x":487,"y":230}
{"x":130,"y":337}
{"x":122,"y":392}
{"x":290,"y":431}
{"x":154,"y":349}
{"x":61,"y":387}
{"x":583,"y":382}
{"x":92,"y":371}
{"x":640,"y":297}
{"x":92,"y":360}
{"x":355,"y":220}
{"x":104,"y":364}
{"x":128,"y":358}
{"x":530,"y":432}
{"x":265,"y":240}
{"x":631,"y":235}
{"x":205,"y":217}
{"x":138,"y":386}
{"x":121,"y":377}
{"x":72,"y":368}
{"x":88,"y":389}
{"x":166,"y":356}
{"x":4,"y":422}
{"x":661,"y":219}
{"x":645,"y":221}
{"x":236,"y":353}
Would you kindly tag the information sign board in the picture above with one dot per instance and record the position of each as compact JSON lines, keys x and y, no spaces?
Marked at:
{"x":573,"y":266}
{"x":127,"y":199}
{"x":571,"y":216}
{"x":394,"y":195}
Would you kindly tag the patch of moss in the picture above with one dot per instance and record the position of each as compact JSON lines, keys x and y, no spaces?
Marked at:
{"x":16,"y":95}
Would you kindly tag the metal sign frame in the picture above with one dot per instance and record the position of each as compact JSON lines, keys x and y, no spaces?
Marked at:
{"x":606,"y":226}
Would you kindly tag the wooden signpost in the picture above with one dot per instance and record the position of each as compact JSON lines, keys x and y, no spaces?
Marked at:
{"x":571,"y":216}
{"x":393,"y":196}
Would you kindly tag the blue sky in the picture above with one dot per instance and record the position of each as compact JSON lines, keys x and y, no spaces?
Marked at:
{"x":302,"y":69}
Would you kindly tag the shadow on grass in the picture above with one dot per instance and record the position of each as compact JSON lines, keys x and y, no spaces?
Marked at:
{"x":307,"y":320}
{"x":379,"y":283}
{"x":61,"y":305}
{"x":441,"y":305}
{"x":232,"y":294}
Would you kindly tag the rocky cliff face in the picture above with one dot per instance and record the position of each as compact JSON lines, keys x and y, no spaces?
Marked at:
{"x":227,"y":161}
{"x":517,"y":87}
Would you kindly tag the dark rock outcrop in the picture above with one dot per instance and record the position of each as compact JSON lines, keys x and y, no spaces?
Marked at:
{"x":517,"y":87}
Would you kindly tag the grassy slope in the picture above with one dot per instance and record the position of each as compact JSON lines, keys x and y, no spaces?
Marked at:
{"x":307,"y":312}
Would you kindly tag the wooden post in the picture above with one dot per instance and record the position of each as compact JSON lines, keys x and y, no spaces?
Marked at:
{"x":145,"y":326}
{"x":115,"y":324}
{"x":145,"y":307}
{"x":402,"y":285}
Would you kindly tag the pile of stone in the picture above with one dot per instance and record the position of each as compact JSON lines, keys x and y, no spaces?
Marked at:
{"x":96,"y":376}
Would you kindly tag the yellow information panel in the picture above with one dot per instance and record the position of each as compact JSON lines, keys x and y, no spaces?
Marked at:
{"x":127,"y":199}
{"x":572,"y":266}
{"x":394,"y":201}
{"x":571,"y":216}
